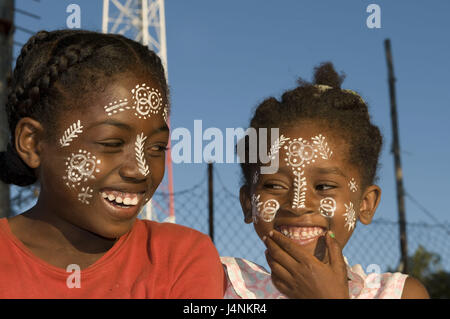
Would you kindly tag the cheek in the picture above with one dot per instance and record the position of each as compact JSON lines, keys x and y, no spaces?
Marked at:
{"x":264,"y":208}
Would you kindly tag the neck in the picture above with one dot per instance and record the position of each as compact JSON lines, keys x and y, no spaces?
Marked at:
{"x":51,"y":228}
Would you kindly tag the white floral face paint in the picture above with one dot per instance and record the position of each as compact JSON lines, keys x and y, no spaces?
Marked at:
{"x":71,"y":133}
{"x":350,"y":216}
{"x":255,"y":178}
{"x":117,"y":106}
{"x":80,"y":168}
{"x":140,"y":154}
{"x":327,"y":207}
{"x":299,"y":153}
{"x":353,"y":186}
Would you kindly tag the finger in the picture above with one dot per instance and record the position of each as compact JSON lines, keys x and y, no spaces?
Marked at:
{"x":281,"y":286}
{"x":335,"y":253}
{"x":278,"y":270}
{"x":289,"y":246}
{"x":282,"y":257}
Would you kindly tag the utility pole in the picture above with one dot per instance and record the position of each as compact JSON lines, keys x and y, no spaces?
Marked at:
{"x":6,"y":44}
{"x":403,"y":267}
{"x":211,"y":200}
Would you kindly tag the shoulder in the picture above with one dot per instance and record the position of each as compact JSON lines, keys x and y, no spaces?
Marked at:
{"x":170,"y":239}
{"x":414,"y":289}
{"x":170,"y":231}
{"x":248,"y":280}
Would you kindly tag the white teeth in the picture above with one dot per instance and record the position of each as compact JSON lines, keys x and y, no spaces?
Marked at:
{"x":104,"y":195}
{"x":301,"y":233}
{"x":119,"y":200}
{"x":126,"y":201}
{"x":111,"y":197}
{"x":134,"y":201}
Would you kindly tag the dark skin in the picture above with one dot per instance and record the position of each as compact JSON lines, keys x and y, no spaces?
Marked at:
{"x":60,"y":229}
{"x":296,"y":271}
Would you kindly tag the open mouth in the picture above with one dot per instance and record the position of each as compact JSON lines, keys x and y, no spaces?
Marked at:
{"x":122,"y":204}
{"x":300,"y":234}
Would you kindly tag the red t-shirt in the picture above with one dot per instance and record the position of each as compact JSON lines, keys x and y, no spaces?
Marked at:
{"x":153,"y":260}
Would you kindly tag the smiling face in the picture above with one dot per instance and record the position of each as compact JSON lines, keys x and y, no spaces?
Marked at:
{"x":107,"y":165}
{"x":315,"y":189}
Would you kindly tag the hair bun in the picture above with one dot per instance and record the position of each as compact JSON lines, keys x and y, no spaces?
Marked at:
{"x":325,"y":74}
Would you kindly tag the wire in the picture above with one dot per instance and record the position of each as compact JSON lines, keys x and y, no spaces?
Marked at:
{"x":427,"y":212}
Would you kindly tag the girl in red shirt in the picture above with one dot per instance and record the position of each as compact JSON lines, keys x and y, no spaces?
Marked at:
{"x":88,"y":115}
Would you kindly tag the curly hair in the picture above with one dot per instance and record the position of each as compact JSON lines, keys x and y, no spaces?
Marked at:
{"x":54,"y":69}
{"x":325,"y":101}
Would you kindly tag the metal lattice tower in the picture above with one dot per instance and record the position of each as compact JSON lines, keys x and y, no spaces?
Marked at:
{"x":144,"y":21}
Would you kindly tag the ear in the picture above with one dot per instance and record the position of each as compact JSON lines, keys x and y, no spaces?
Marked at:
{"x":28,"y":137}
{"x":370,"y":200}
{"x":246,"y":204}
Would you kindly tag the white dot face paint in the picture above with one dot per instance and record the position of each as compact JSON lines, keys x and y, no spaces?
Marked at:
{"x":140,"y":154}
{"x":327,"y":207}
{"x":255,"y":178}
{"x":85,"y":195}
{"x":266,"y":211}
{"x":80,"y":168}
{"x":71,"y":133}
{"x":269,"y":210}
{"x":145,"y":102}
{"x":350,"y":216}
{"x":353,"y":186}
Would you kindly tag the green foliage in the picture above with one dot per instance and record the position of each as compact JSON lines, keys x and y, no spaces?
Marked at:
{"x":426,"y":267}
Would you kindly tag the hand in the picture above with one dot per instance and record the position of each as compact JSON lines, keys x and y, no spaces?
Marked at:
{"x":298,"y":274}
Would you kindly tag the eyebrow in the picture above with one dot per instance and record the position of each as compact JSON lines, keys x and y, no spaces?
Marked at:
{"x":331,"y":170}
{"x":127,"y":127}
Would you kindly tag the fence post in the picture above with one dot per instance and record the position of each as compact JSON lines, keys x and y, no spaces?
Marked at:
{"x":403,"y":267}
{"x":211,"y":200}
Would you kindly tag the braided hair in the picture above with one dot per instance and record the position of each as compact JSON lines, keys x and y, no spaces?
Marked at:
{"x":55,"y":67}
{"x":324,"y":100}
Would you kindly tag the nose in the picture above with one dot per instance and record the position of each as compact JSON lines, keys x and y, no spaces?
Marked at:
{"x":135,"y":168}
{"x":303,"y":200}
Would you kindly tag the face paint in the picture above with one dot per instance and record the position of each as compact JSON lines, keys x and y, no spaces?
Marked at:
{"x":117,"y":106}
{"x":71,"y":133}
{"x":140,"y":156}
{"x":322,"y":146}
{"x":80,"y":168}
{"x":270,"y":209}
{"x":353,"y":186}
{"x":300,"y":190}
{"x":146,"y":100}
{"x":86,"y":193}
{"x":275,"y":148}
{"x":299,"y":153}
{"x":350,"y":216}
{"x":327,"y":207}
{"x":255,"y":207}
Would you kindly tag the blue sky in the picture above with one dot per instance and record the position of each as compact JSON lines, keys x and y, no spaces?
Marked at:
{"x":224,"y":57}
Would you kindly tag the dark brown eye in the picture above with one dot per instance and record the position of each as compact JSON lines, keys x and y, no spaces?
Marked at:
{"x":325,"y":187}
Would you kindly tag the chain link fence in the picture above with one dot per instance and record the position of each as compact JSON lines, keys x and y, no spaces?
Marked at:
{"x":377,"y":243}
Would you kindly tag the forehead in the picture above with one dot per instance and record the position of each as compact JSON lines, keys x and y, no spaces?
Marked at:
{"x":313,"y":146}
{"x":135,"y":99}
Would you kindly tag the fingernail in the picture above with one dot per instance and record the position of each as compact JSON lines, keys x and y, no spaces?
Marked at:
{"x":271,"y":233}
{"x":264,"y":238}
{"x":331,"y":234}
